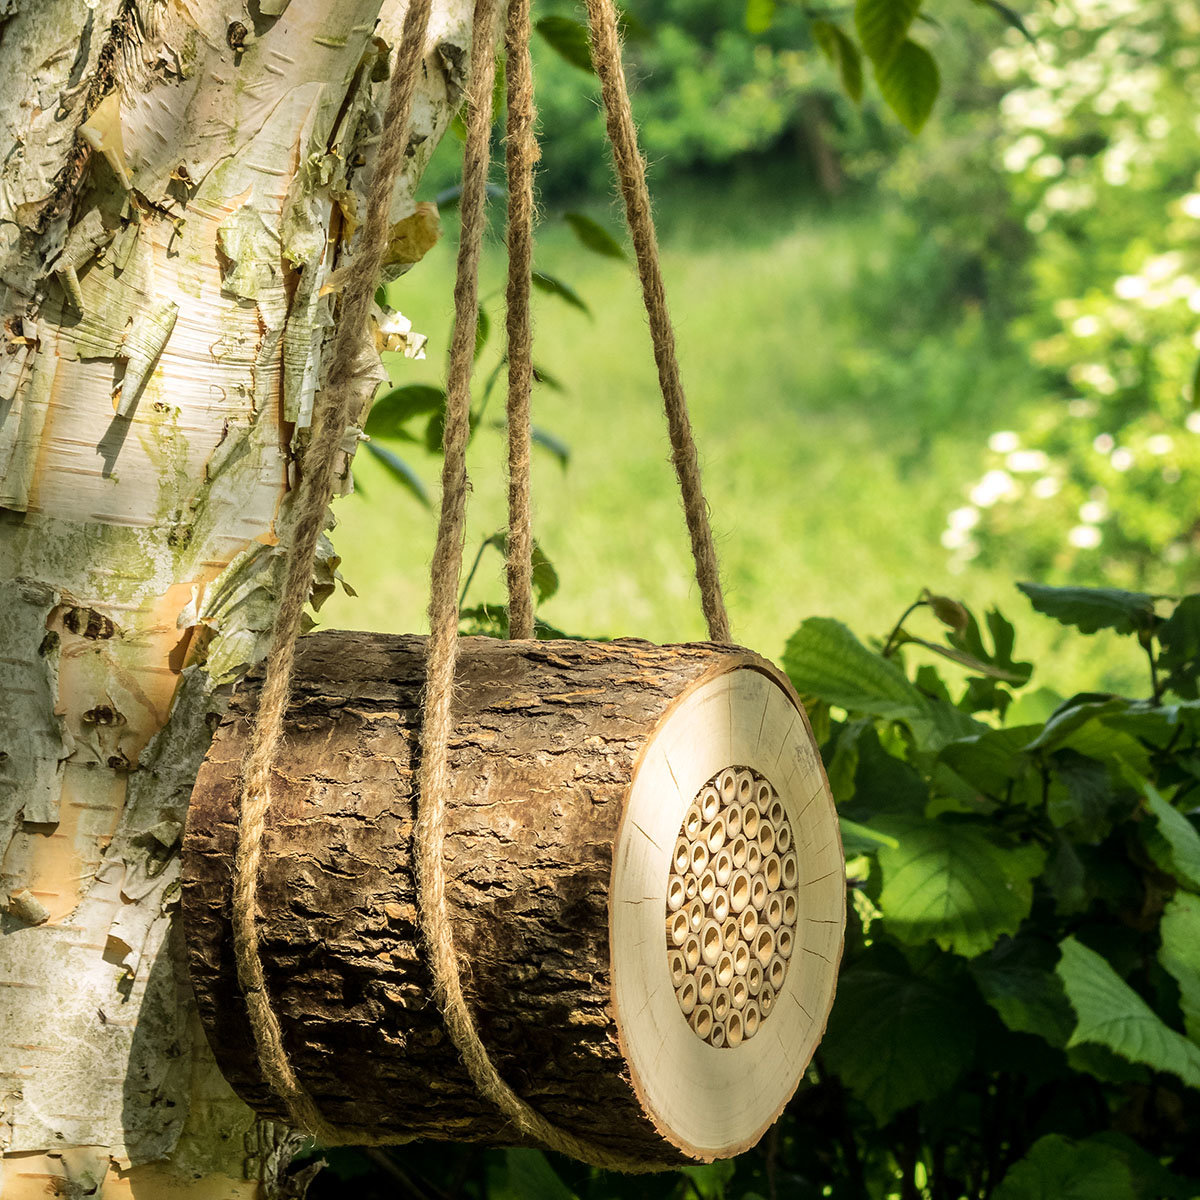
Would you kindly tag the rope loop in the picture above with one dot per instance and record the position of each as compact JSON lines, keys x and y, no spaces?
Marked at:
{"x":332,"y":410}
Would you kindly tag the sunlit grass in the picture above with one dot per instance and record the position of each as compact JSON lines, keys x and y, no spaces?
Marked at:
{"x":834,"y":438}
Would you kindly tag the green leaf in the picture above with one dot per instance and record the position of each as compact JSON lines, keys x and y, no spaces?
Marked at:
{"x":824,"y":659}
{"x":483,"y":327}
{"x":394,"y":409}
{"x":1010,"y":17}
{"x":542,"y":376}
{"x":1178,"y":852}
{"x":545,"y":577}
{"x":1180,"y":955}
{"x":759,"y":15}
{"x":842,"y":53}
{"x":1111,"y":1014}
{"x":530,"y":1177}
{"x":979,"y":666}
{"x":909,"y":81}
{"x":991,"y":760}
{"x":593,"y":235}
{"x":710,"y":1179}
{"x":896,"y":1038}
{"x":883,"y":26}
{"x":569,"y":38}
{"x":1017,"y":979}
{"x":860,"y":839}
{"x":399,"y":471}
{"x":1091,"y":609}
{"x":564,"y":291}
{"x":1058,"y":1169}
{"x":556,"y":446}
{"x":1179,"y":637}
{"x":950,"y":882}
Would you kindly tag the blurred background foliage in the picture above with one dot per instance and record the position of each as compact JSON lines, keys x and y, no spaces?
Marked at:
{"x":954,"y":360}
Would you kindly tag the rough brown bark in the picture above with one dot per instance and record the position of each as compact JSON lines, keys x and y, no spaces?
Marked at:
{"x":546,"y":743}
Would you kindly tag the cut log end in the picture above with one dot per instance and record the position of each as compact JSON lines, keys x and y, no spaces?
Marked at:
{"x":631,"y":979}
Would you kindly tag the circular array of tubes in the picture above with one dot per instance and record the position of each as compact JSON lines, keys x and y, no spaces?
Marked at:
{"x":732,"y":900}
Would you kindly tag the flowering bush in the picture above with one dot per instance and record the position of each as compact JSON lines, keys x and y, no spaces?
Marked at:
{"x":1101,"y":142}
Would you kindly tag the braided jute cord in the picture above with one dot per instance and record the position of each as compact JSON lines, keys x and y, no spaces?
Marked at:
{"x":330,"y":418}
{"x":631,"y":173}
{"x":521,"y":153}
{"x":338,"y":400}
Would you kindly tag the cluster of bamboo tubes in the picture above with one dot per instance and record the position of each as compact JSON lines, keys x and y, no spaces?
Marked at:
{"x":732,"y":901}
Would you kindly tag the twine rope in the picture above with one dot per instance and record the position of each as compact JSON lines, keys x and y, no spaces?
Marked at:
{"x":631,"y":173}
{"x":330,"y":417}
{"x":521,"y":155}
{"x":343,"y":393}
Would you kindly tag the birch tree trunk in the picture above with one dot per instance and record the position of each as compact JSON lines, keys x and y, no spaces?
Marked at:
{"x":179,"y":178}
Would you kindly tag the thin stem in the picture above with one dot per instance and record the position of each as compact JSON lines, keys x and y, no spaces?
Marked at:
{"x":891,"y":645}
{"x":487,"y":541}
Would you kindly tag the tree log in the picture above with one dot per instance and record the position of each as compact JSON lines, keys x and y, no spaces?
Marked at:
{"x":574,"y":766}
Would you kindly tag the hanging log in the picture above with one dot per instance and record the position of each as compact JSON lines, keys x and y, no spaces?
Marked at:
{"x":594,"y":786}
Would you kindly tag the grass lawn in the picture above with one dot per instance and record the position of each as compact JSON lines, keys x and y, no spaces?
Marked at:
{"x":838,"y":422}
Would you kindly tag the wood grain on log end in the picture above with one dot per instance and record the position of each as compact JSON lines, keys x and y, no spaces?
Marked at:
{"x":575,"y":765}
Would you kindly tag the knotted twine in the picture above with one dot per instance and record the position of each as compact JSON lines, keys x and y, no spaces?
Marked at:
{"x":330,"y":418}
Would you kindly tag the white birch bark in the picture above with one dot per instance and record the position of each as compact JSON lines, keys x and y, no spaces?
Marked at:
{"x":178,"y":179}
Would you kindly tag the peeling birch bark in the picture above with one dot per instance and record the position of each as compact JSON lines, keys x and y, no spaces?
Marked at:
{"x":179,"y":179}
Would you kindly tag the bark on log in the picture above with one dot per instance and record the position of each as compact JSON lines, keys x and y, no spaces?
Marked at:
{"x":552,"y":743}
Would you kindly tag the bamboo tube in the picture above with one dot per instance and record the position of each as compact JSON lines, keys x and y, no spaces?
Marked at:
{"x":759,"y":891}
{"x":711,"y":944}
{"x":699,"y":857}
{"x":682,"y":858}
{"x":721,"y":1004}
{"x":739,"y":993}
{"x":741,"y":958}
{"x":745,"y":785}
{"x":785,"y":942}
{"x":748,"y":923}
{"x":737,"y":852}
{"x":710,"y":803}
{"x":678,"y":965}
{"x":739,"y":891}
{"x":678,"y":928}
{"x":695,"y":913}
{"x":783,"y":837}
{"x":772,"y":869}
{"x":706,"y":984}
{"x":708,"y":886}
{"x":720,"y":904}
{"x":763,"y":795}
{"x":766,"y":837}
{"x":691,"y":952}
{"x":734,"y":1030}
{"x":751,"y":1018}
{"x":773,"y":911}
{"x":790,"y":909}
{"x":727,"y":782}
{"x":717,"y":1035}
{"x":729,"y":934}
{"x":753,"y":856}
{"x":754,"y":978}
{"x":766,"y":999}
{"x":750,"y":820}
{"x":693,"y":888}
{"x":723,"y":866}
{"x":701,"y":1020}
{"x":764,"y":945}
{"x":776,"y":972}
{"x":676,"y":893}
{"x":733,"y":820}
{"x":686,"y":995}
{"x":724,"y":970}
{"x":777,"y":815}
{"x":790,"y":869}
{"x":693,"y":822}
{"x":714,"y":834}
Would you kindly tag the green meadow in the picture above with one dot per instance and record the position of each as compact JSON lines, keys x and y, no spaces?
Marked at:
{"x":841,"y":399}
